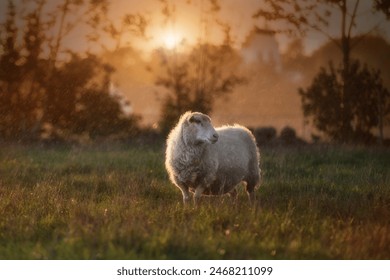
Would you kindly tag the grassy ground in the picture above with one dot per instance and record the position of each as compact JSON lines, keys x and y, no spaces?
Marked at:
{"x":117,"y":203}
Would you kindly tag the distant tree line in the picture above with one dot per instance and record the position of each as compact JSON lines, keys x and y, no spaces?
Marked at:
{"x":268,"y":136}
{"x":345,"y":102}
{"x":50,"y":92}
{"x":53,"y":93}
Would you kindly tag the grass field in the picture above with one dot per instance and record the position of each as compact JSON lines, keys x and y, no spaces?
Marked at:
{"x":116,"y":202}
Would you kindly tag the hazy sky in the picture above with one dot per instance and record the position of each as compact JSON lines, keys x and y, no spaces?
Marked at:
{"x":188,"y":22}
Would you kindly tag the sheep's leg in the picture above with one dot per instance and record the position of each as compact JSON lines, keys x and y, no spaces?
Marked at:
{"x":186,"y":195}
{"x":252,"y":197}
{"x":250,"y":189}
{"x":198,"y":194}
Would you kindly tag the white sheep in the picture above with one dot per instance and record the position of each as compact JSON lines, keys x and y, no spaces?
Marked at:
{"x":211,"y":161}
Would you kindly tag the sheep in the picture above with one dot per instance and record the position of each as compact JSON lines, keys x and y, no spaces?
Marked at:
{"x":208,"y":161}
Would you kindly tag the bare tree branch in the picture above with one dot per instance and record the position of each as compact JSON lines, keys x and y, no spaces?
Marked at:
{"x":352,"y":23}
{"x":363,"y":36}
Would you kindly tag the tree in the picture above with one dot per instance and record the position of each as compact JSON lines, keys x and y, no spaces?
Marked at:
{"x":41,"y":90}
{"x":111,"y":121}
{"x":303,"y":16}
{"x":197,"y":82}
{"x":367,"y":107}
{"x":84,"y":106}
{"x":34,"y":71}
{"x":62,"y":97}
{"x":135,"y":24}
{"x":384,"y":6}
{"x":10,"y":74}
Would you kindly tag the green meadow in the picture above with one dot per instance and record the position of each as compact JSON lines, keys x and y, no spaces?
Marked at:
{"x":116,"y":202}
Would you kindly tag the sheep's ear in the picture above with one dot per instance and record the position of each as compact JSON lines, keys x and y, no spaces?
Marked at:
{"x":193,"y":119}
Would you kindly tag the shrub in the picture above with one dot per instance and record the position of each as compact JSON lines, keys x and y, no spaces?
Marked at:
{"x":265,"y":135}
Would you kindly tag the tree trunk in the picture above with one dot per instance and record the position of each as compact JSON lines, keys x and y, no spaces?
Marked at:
{"x":380,"y":117}
{"x":345,"y":93}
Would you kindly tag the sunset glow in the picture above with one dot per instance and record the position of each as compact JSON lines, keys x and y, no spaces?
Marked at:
{"x":171,"y":39}
{"x":198,"y":130}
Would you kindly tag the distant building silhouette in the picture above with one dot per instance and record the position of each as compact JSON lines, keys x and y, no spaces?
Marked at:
{"x":261,"y":45}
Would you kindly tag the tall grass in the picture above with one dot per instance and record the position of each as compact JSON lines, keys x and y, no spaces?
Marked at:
{"x":117,"y":203}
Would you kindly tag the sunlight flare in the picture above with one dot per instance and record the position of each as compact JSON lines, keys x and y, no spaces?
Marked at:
{"x":171,"y":39}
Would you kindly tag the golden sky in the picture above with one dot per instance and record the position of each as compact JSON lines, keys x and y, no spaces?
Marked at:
{"x":188,"y":22}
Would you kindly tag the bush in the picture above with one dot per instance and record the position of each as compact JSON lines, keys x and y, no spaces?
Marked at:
{"x":288,"y":136}
{"x":264,"y":135}
{"x":348,"y":110}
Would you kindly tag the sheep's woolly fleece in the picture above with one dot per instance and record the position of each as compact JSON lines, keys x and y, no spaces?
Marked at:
{"x":209,"y":161}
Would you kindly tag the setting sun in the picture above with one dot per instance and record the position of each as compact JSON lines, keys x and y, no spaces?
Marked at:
{"x":171,"y":39}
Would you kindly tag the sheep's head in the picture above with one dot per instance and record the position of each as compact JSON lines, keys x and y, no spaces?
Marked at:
{"x":199,"y":130}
